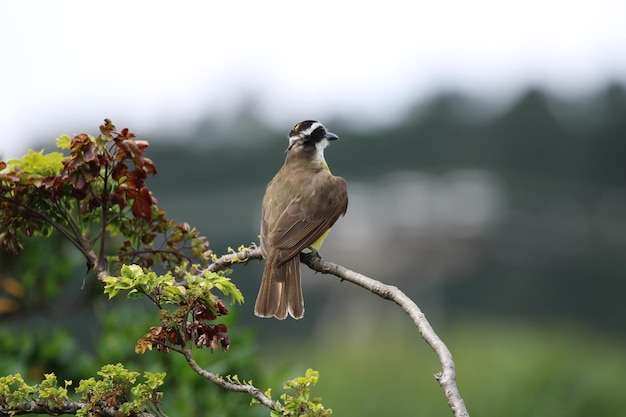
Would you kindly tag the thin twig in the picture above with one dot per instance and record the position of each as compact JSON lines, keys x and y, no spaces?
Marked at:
{"x":77,"y":241}
{"x":105,"y":213}
{"x":253,"y":391}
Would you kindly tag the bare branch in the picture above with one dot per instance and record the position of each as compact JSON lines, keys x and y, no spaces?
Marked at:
{"x":253,"y":391}
{"x":446,"y":378}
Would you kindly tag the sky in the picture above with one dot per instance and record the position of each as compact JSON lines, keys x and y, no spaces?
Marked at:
{"x":66,"y":65}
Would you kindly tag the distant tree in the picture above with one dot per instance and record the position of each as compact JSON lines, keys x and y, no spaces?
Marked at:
{"x":98,"y":200}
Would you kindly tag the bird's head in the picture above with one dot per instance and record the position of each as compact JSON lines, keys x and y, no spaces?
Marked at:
{"x":310,"y":134}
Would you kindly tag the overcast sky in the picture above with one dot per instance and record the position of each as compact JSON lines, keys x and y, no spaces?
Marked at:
{"x":65,"y":65}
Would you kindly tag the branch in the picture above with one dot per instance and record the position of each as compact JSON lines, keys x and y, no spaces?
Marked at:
{"x":104,"y":201}
{"x":68,"y":407}
{"x":446,"y":378}
{"x":253,"y":391}
{"x":33,"y":407}
{"x":243,"y":256}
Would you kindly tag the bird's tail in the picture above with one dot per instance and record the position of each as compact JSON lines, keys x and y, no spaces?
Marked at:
{"x":281,"y":292}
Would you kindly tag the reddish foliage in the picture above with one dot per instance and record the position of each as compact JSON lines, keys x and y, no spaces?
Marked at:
{"x":106,"y":179}
{"x":103,"y":182}
{"x":198,"y":331}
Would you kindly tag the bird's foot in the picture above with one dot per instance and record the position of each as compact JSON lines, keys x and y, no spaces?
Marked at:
{"x":304,"y":256}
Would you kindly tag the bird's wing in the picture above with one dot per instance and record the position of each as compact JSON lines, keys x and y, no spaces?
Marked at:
{"x":302,"y":223}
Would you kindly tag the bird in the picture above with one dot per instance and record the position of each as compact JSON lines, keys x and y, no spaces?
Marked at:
{"x":301,"y":203}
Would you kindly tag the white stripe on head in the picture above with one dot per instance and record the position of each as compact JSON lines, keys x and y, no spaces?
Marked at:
{"x":305,"y":133}
{"x":311,"y":129}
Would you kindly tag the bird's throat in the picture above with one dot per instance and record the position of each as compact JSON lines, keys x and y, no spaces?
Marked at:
{"x":319,"y":153}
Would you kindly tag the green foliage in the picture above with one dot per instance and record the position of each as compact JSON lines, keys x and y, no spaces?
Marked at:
{"x":120,"y":323}
{"x":14,"y":392}
{"x":138,"y":282}
{"x":117,"y":389}
{"x":64,"y":142}
{"x":300,"y":402}
{"x":164,"y":289}
{"x":559,"y":370}
{"x":185,"y":393}
{"x":503,"y":367}
{"x":35,"y":166}
{"x":29,"y":279}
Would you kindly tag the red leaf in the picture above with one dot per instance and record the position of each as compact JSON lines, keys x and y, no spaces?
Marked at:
{"x":123,"y":150}
{"x":119,"y":170}
{"x":89,"y":152}
{"x":125,"y":134}
{"x":148,"y":166}
{"x":142,"y":205}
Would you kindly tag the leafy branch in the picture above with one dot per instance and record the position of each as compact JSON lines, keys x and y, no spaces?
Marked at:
{"x":233,"y":384}
{"x":115,"y":393}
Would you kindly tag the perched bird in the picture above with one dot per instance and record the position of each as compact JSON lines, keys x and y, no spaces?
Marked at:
{"x":300,"y":205}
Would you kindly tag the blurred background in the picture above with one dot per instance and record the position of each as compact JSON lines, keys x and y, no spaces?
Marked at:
{"x":483,"y":144}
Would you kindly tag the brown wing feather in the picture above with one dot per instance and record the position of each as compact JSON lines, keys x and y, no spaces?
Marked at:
{"x":303,"y":221}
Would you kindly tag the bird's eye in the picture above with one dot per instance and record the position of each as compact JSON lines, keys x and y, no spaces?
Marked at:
{"x":296,"y":127}
{"x":318,"y":134}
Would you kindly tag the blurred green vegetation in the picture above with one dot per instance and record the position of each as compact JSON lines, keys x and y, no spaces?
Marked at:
{"x":530,"y":306}
{"x":503,"y":367}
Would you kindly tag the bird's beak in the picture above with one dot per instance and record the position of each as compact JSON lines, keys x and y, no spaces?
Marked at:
{"x":331,"y":136}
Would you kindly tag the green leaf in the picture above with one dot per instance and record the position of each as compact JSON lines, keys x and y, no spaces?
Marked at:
{"x":131,"y":271}
{"x":173,"y":294}
{"x":225,"y":285}
{"x":63,"y":142}
{"x":135,"y":294}
{"x":34,"y":166}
